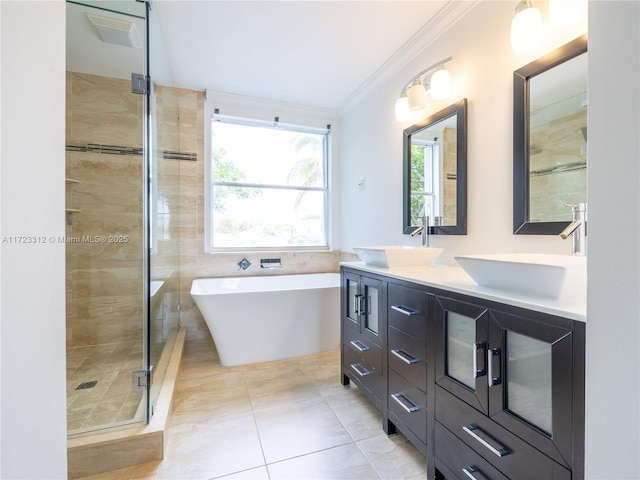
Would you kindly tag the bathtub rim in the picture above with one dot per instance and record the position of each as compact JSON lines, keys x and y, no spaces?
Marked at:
{"x":264,"y":279}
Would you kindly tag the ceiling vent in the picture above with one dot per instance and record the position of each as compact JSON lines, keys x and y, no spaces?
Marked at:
{"x":116,"y":31}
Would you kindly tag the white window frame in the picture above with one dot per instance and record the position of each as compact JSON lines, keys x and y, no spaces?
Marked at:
{"x":208,"y":235}
{"x":434,"y":161}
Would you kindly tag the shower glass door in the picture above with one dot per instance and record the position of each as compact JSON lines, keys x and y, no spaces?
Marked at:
{"x":165,"y":159}
{"x":106,"y":224}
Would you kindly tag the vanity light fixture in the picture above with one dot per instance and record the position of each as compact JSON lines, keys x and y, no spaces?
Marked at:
{"x":526,"y":27}
{"x":435,"y":80}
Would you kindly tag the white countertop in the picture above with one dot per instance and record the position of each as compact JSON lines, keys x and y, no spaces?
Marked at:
{"x":455,"y":279}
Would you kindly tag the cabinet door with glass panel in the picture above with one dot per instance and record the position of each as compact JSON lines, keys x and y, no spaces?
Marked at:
{"x":461,"y":333}
{"x":520,"y":369}
{"x":536,"y":379}
{"x":365,"y":305}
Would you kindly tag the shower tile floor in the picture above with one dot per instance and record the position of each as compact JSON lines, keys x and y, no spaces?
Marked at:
{"x":289,"y":419}
{"x":110,"y":400}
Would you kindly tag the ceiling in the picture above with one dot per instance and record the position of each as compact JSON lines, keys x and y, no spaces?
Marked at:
{"x":316,"y":53}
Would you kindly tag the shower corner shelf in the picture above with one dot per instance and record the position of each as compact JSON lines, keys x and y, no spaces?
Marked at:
{"x":69,"y":214}
{"x":70,"y":211}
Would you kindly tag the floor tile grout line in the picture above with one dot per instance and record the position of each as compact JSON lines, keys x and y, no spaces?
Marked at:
{"x":313,"y":453}
{"x":368,"y":460}
{"x":255,"y":422}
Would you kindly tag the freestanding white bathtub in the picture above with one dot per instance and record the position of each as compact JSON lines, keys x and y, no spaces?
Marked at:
{"x":258,"y":319}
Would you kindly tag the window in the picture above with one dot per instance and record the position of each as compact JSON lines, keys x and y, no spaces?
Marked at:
{"x":268,"y":185}
{"x":425,"y":189}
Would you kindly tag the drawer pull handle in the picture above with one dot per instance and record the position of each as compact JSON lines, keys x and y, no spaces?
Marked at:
{"x":359,"y":345}
{"x":405,"y":403}
{"x":359,"y":370}
{"x":474,"y":473}
{"x":405,"y":357}
{"x":405,"y":310}
{"x":475,"y":431}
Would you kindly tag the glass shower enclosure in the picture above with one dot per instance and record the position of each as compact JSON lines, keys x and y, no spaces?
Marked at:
{"x":122,"y":215}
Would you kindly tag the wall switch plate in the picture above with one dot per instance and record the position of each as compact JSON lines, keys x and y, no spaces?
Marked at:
{"x":362,"y":184}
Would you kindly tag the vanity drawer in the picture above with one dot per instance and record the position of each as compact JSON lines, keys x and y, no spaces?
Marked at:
{"x":505,"y":451}
{"x":407,"y":356}
{"x":363,"y":373}
{"x":365,"y":349}
{"x":408,"y":311}
{"x":454,"y":459}
{"x":408,"y":404}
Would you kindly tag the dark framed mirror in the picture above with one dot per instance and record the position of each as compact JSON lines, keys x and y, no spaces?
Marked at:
{"x":435,"y":172}
{"x":550,"y":139}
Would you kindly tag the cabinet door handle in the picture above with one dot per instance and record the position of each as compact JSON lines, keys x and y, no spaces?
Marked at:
{"x":405,"y":403}
{"x":359,"y":370}
{"x":475,"y":431}
{"x":474,"y":473}
{"x":357,"y":300}
{"x":359,"y":345}
{"x":405,"y":356}
{"x":405,"y":310}
{"x":494,"y":356}
{"x":477,"y":348}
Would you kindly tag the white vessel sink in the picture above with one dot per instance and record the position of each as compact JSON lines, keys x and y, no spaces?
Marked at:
{"x":391,"y":256}
{"x":550,"y":276}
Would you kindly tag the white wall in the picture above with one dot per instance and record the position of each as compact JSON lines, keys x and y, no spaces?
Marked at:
{"x":33,"y":436}
{"x":613,"y":306}
{"x":371,"y":145}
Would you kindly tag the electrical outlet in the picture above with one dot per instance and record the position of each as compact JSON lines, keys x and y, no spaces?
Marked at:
{"x":362,"y":184}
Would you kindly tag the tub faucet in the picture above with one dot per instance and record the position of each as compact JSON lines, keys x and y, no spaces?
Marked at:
{"x":577,"y":228}
{"x":244,"y":264}
{"x":424,"y":230}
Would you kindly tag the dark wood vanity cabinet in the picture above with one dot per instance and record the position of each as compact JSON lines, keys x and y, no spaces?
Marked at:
{"x":509,"y":387}
{"x":363,"y":326}
{"x":407,"y":353}
{"x":481,"y":388}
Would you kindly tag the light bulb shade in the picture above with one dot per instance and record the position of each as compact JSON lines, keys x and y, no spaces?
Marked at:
{"x":563,"y":13}
{"x":441,"y":84}
{"x":403,"y":112}
{"x":526,"y":29}
{"x":417,"y":97}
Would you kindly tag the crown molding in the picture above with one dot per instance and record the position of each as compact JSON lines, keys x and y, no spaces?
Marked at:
{"x":442,"y":21}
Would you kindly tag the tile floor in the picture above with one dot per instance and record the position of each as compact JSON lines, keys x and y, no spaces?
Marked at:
{"x":289,"y":419}
{"x":111,"y":400}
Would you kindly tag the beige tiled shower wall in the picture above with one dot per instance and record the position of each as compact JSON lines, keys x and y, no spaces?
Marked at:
{"x":554,"y":144}
{"x":449,"y":175}
{"x":165,"y":215}
{"x":105,"y":277}
{"x":104,"y":271}
{"x":194,"y":262}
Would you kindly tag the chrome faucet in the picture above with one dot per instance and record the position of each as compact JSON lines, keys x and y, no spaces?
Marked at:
{"x":577,"y":228}
{"x":424,"y":230}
